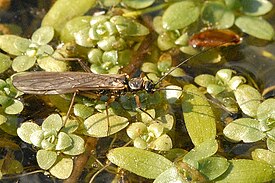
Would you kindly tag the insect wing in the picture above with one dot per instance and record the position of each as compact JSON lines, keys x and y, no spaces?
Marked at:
{"x":66,"y":82}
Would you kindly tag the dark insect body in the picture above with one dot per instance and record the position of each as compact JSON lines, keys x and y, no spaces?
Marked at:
{"x":214,"y":38}
{"x":70,"y":82}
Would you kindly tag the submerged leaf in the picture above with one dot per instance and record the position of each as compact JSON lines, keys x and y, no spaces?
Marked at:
{"x":141,"y":162}
{"x":213,"y":167}
{"x":5,"y":62}
{"x":170,"y":175}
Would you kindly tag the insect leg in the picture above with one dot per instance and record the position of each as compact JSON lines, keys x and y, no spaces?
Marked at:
{"x":139,"y":106}
{"x":70,"y":107}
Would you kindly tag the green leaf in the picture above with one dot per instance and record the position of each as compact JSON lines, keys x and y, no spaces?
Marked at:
{"x":255,"y":7}
{"x":213,"y":167}
{"x":255,"y":26}
{"x":198,"y":116}
{"x":52,"y":65}
{"x":266,"y":111}
{"x":245,"y":129}
{"x":37,"y":137}
{"x":15,"y":108}
{"x":77,"y":146}
{"x":138,"y":4}
{"x":248,"y":98}
{"x":243,"y":171}
{"x":14,"y":45}
{"x":217,"y":15}
{"x":141,"y":162}
{"x":5,"y":62}
{"x":63,"y":168}
{"x":162,"y":143}
{"x":46,"y":159}
{"x":205,"y":79}
{"x":52,"y":122}
{"x":83,"y":111}
{"x":179,"y":15}
{"x":73,"y":26}
{"x":270,"y":144}
{"x":149,"y":67}
{"x":63,"y":141}
{"x":170,"y":175}
{"x":64,"y":10}
{"x":129,"y":27}
{"x":70,"y":126}
{"x":203,"y":150}
{"x":43,"y":35}
{"x":97,"y":125}
{"x":26,"y":129}
{"x":23,"y":63}
{"x":3,"y":119}
{"x":264,"y":156}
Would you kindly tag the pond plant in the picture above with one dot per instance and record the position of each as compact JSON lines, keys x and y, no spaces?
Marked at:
{"x":184,"y":131}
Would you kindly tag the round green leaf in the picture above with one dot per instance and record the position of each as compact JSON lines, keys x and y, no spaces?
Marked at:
{"x":179,"y":15}
{"x":198,"y":115}
{"x":170,"y":175}
{"x":270,"y":144}
{"x":43,"y":35}
{"x":63,"y":141}
{"x":23,"y":63}
{"x":149,"y":67}
{"x":255,"y":26}
{"x":52,"y":122}
{"x":37,"y":137}
{"x":63,"y":168}
{"x":14,"y":45}
{"x":248,"y":98}
{"x":97,"y":125}
{"x":266,"y":111}
{"x":129,"y":27}
{"x":264,"y":156}
{"x":204,"y":80}
{"x":5,"y":62}
{"x":256,"y":7}
{"x":15,"y":108}
{"x":217,"y":15}
{"x":138,"y":4}
{"x":139,"y":161}
{"x":46,"y":159}
{"x":77,"y":146}
{"x":213,"y":167}
{"x":162,"y":143}
{"x":26,"y":129}
{"x":82,"y":38}
{"x":243,"y":171}
{"x":52,"y":65}
{"x":245,"y":129}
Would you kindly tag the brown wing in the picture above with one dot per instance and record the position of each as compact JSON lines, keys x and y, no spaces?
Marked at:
{"x":66,"y":82}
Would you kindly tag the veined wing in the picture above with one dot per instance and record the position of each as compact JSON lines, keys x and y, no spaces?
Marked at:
{"x":66,"y":82}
